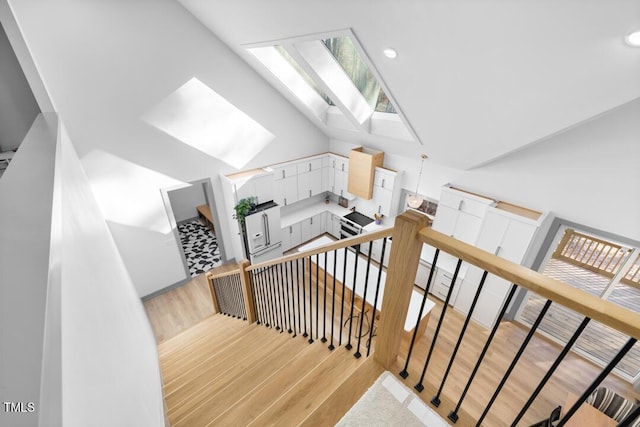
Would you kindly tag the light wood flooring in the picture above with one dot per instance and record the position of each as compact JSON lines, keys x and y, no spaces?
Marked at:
{"x":176,"y":310}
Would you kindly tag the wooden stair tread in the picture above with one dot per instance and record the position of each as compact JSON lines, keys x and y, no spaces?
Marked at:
{"x":234,"y":387}
{"x":213,"y":325}
{"x":174,"y":369}
{"x":182,"y":361}
{"x":309,"y":393}
{"x":345,"y":396}
{"x":237,"y":357}
{"x":263,"y":395}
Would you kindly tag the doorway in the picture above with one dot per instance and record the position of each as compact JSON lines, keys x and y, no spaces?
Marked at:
{"x":599,"y":263}
{"x":191,"y":210}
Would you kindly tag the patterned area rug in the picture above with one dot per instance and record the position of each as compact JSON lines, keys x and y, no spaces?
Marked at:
{"x":200,"y":247}
{"x":390,"y":403}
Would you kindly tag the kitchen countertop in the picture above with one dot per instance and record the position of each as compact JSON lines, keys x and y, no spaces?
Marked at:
{"x":294,"y":217}
{"x":298,"y":215}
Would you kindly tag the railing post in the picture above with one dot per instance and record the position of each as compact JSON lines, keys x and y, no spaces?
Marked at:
{"x":214,"y":298}
{"x":403,"y":264}
{"x":568,"y":233}
{"x":246,"y":291}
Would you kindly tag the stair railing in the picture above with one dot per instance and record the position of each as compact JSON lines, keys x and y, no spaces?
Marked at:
{"x":411,"y":231}
{"x":331,"y":293}
{"x":227,"y":291}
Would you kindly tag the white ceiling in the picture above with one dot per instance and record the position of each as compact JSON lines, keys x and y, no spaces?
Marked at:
{"x":476,"y":79}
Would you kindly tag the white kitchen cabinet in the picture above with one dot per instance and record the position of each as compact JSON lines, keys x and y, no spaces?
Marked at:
{"x":309,"y":183}
{"x":442,"y":282}
{"x":341,"y":176}
{"x":291,"y":236}
{"x":259,"y":185}
{"x":334,"y":229}
{"x":311,"y":227}
{"x":382,"y":199}
{"x":460,"y":215}
{"x":327,"y":178}
{"x":309,"y":165}
{"x":509,"y":236}
{"x":285,"y":184}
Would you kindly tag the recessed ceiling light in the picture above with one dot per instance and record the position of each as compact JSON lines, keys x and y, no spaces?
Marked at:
{"x":390,"y":53}
{"x":633,"y":39}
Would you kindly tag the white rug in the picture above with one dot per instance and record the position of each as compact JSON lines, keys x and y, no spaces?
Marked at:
{"x":390,"y":403}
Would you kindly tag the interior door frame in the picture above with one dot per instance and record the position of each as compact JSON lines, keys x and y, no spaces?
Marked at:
{"x":207,"y":188}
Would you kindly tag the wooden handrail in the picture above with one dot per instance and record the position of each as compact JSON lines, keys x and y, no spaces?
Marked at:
{"x":610,"y":314}
{"x":338,"y":244}
{"x":215,"y":275}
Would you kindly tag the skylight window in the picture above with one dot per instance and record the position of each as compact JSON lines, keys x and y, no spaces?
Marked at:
{"x":330,"y":76}
{"x":345,"y":52}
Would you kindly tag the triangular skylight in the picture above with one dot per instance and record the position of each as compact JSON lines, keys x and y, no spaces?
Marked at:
{"x":333,"y":78}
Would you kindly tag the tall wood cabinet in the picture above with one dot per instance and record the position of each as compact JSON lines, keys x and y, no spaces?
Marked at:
{"x":362,"y":168}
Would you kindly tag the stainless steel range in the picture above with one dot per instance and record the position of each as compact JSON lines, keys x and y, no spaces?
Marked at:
{"x":352,"y":225}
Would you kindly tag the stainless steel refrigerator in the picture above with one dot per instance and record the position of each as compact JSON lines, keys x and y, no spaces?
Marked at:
{"x":264,"y":235}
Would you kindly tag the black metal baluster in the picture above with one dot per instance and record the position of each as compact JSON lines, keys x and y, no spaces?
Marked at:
{"x":436,"y":334}
{"x":298,"y":295}
{"x":304,"y":301}
{"x":263,"y":297}
{"x":515,"y":360}
{"x":363,"y":313}
{"x":223,"y":296}
{"x":317,"y":296}
{"x":283,"y":288}
{"x":253,"y":280}
{"x":375,"y":298}
{"x":276,"y":291}
{"x":288,"y":296}
{"x":333,"y":297}
{"x":280,"y":299}
{"x":404,"y":373}
{"x":552,"y":369}
{"x":436,"y":399}
{"x":606,"y":371}
{"x":453,"y":415}
{"x":272,"y":305}
{"x":344,"y":279}
{"x":353,"y":295}
{"x":324,"y":304}
{"x":243,"y":309}
{"x":311,"y":300}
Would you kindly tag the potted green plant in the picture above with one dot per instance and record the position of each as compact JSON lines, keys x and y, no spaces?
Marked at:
{"x":242,"y":209}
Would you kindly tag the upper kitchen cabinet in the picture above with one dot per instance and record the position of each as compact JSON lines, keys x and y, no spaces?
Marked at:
{"x":253,"y":183}
{"x":362,"y":167}
{"x":285,"y":180}
{"x":386,"y":191}
{"x":460,"y":215}
{"x":340,"y":176}
{"x":309,"y":178}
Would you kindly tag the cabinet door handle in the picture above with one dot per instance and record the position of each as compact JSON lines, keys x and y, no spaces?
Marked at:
{"x":382,"y":182}
{"x":460,"y":204}
{"x":343,"y":167}
{"x":334,"y":164}
{"x":379,"y":208}
{"x":309,"y":193}
{"x":309,"y":167}
{"x":311,"y":220}
{"x":285,"y":201}
{"x":497,"y":251}
{"x":290,"y":230}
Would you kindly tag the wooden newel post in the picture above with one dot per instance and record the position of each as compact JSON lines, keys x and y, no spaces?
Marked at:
{"x":214,"y":298}
{"x":401,"y":274}
{"x":246,"y":291}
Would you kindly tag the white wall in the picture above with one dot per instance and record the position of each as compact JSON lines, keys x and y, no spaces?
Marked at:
{"x":588,"y":174}
{"x":184,"y":201}
{"x":18,"y":107}
{"x":26,"y":191}
{"x":110,"y":368}
{"x":120,"y":60}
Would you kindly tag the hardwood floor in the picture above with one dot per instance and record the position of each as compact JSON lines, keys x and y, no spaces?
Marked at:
{"x":176,"y":310}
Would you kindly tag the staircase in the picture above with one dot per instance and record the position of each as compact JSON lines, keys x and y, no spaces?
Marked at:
{"x":223,"y":371}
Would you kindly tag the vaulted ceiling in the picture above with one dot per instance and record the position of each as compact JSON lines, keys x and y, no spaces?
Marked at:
{"x":475,"y":79}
